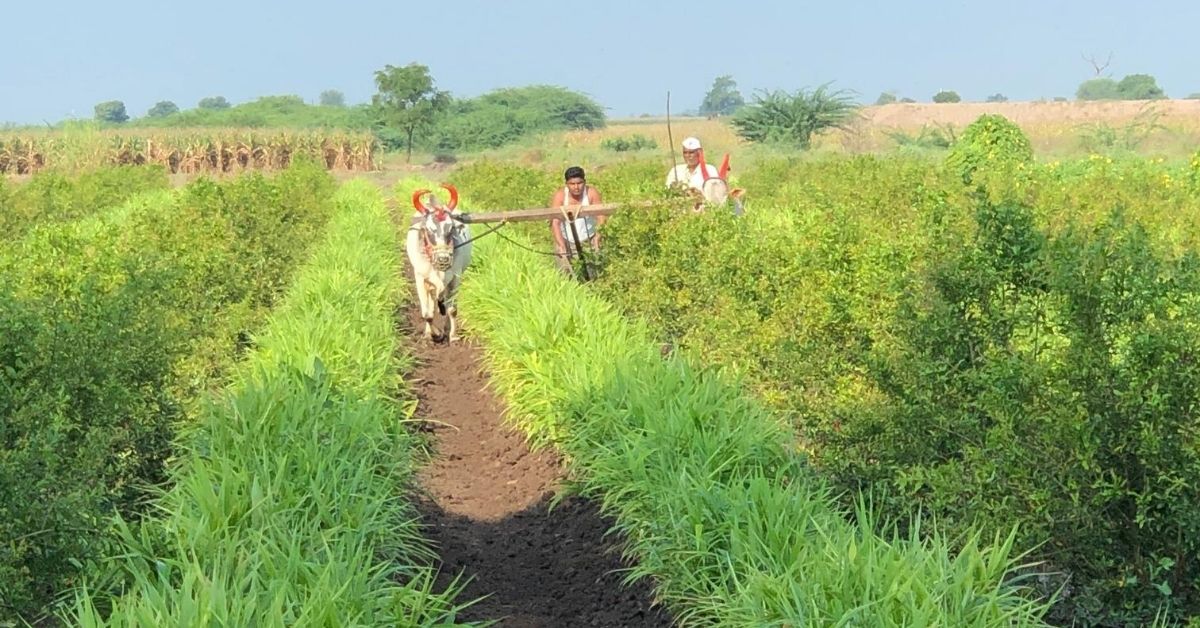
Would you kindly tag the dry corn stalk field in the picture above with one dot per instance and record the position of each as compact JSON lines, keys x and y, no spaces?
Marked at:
{"x":184,"y":151}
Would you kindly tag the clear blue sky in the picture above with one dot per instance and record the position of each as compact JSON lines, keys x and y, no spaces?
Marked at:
{"x":61,"y":58}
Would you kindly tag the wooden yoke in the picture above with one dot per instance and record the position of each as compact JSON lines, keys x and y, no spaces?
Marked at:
{"x":547,"y":213}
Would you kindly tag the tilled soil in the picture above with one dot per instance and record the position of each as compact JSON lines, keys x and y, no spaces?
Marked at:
{"x":486,"y":508}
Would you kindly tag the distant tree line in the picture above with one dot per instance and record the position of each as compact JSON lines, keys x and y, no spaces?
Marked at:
{"x":407,"y":112}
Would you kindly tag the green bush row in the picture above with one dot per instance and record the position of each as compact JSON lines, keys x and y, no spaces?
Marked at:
{"x":992,"y":343}
{"x":110,"y":326}
{"x":50,"y":197}
{"x":714,"y":502}
{"x":286,"y":504}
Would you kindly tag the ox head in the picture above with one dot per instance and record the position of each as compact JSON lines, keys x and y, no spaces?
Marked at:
{"x":716,"y":192}
{"x":439,"y":224}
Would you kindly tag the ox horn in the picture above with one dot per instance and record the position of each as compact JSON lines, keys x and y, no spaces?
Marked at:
{"x":416,"y":198}
{"x":453,"y":196}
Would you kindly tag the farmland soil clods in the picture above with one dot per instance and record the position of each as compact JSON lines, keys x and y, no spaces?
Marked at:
{"x":485,"y":504}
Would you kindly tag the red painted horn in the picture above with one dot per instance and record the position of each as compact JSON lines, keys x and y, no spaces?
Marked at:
{"x":453,"y":196}
{"x":723,"y":171}
{"x":416,"y":198}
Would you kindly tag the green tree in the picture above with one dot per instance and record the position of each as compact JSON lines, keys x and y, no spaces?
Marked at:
{"x":997,"y":98}
{"x":111,"y":111}
{"x":1098,"y":89}
{"x":723,"y":98}
{"x":947,"y":96}
{"x":213,"y":102}
{"x":508,"y":114}
{"x":886,"y":98}
{"x":332,"y":98}
{"x":407,"y":99}
{"x":793,"y":118}
{"x":162,"y":109}
{"x":1139,"y":87}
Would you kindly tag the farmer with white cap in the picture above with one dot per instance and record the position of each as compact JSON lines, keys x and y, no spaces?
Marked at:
{"x":693,"y":171}
{"x":704,"y":181}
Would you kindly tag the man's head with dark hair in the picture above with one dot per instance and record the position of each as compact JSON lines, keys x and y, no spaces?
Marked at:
{"x":574,"y":172}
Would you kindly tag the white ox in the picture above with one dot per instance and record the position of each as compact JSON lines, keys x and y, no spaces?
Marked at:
{"x":439,"y":250}
{"x":716,"y":192}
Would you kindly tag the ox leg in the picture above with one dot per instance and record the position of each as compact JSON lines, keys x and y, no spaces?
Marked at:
{"x":449,"y":308}
{"x":452,"y":317}
{"x":426,"y":302}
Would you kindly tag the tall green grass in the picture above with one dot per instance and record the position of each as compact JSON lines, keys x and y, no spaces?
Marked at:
{"x":286,"y":506}
{"x":112,"y":325}
{"x":716,"y":505}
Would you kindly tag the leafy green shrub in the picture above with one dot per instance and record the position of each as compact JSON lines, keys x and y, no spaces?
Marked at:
{"x":704,"y":484}
{"x":947,"y":96}
{"x":111,"y":111}
{"x":506,"y":115}
{"x":1130,"y":87}
{"x":51,"y":197}
{"x":794,"y":118}
{"x":993,"y":143}
{"x":162,"y":109}
{"x":109,"y":328}
{"x":1098,"y":89}
{"x":284,"y":502}
{"x":285,"y":111}
{"x":928,"y":137}
{"x":1025,"y":361}
{"x":1140,"y":87}
{"x":636,"y":141}
{"x":509,"y":186}
{"x":1098,"y":137}
{"x":1046,"y":381}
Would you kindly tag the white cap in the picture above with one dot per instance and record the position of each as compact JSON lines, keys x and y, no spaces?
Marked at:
{"x":691,"y":143}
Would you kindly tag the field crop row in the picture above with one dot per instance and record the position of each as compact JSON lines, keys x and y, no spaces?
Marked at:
{"x":987,"y":341}
{"x":705,"y":485}
{"x":286,"y":506}
{"x":111,"y":327}
{"x":185,"y":151}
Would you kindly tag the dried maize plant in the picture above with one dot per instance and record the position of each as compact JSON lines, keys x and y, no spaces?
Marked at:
{"x":184,"y":151}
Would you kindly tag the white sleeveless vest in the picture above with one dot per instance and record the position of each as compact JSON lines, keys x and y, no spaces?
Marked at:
{"x":586,"y":225}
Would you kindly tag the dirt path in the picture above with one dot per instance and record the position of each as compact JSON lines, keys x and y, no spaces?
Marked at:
{"x":485,"y":509}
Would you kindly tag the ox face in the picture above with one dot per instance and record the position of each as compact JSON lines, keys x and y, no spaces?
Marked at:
{"x":716,"y":191}
{"x":442,"y":232}
{"x":440,"y":227}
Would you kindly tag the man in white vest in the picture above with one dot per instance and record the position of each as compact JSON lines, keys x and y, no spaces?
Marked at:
{"x":575,"y":193}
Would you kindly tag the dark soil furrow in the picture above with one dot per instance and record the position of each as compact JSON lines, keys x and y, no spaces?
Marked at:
{"x":485,"y":503}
